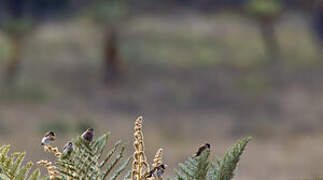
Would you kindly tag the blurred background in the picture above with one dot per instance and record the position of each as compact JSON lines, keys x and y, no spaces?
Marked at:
{"x":197,"y":70}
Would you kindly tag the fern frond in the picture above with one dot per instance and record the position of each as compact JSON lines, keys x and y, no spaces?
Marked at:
{"x":211,"y":174}
{"x":85,"y":160}
{"x":114,"y":163}
{"x":128,"y":174}
{"x":110,"y":153}
{"x":121,"y":169}
{"x":201,"y":168}
{"x":194,"y":168}
{"x":12,"y":166}
{"x":230,"y":160}
{"x":34,"y":175}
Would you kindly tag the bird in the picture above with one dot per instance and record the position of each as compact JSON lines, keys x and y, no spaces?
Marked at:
{"x":88,"y":134}
{"x":68,"y":148}
{"x":201,"y":149}
{"x":159,"y":170}
{"x":49,"y":137}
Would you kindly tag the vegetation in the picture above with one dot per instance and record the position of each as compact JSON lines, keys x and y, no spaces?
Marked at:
{"x":201,"y":168}
{"x":11,"y":166}
{"x":86,"y":160}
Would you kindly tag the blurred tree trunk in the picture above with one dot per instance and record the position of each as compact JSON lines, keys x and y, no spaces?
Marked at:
{"x":266,"y":12}
{"x":318,"y":26}
{"x":14,"y":60}
{"x":112,"y":60}
{"x":271,"y":44}
{"x":270,"y":41}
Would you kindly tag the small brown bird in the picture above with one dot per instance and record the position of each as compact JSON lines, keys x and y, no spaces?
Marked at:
{"x":49,"y":137}
{"x":159,"y":170}
{"x":68,"y":148}
{"x":202,"y":149}
{"x":88,"y":134}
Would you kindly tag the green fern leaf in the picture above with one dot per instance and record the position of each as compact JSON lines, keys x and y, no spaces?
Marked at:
{"x":12,"y":166}
{"x":85,"y":160}
{"x":230,"y":160}
{"x":121,"y":169}
{"x":194,"y":168}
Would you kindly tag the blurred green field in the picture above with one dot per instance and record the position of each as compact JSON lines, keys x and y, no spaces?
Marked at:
{"x":209,"y":84}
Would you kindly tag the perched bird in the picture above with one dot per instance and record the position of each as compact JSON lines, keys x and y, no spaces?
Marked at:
{"x":68,"y":148}
{"x":159,"y":170}
{"x":201,"y":149}
{"x":49,"y":137}
{"x":88,"y":134}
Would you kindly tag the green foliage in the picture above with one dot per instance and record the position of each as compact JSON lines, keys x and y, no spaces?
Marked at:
{"x":87,"y":162}
{"x":201,"y":168}
{"x":17,"y":27}
{"x":24,"y":91}
{"x":92,"y":160}
{"x":12,"y":167}
{"x":194,"y":168}
{"x":109,"y":12}
{"x":230,"y":160}
{"x":268,"y":8}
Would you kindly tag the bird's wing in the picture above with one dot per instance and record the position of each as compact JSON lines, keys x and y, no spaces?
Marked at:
{"x":45,"y":140}
{"x":65,"y":147}
{"x":84,"y":133}
{"x":47,"y":134}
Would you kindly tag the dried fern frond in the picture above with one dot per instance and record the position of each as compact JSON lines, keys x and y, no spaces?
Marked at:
{"x":158,"y":167}
{"x":158,"y":159}
{"x":140,"y":167}
{"x":51,"y":169}
{"x":53,"y":150}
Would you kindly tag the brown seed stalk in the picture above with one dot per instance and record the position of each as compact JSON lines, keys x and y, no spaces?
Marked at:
{"x":140,"y":167}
